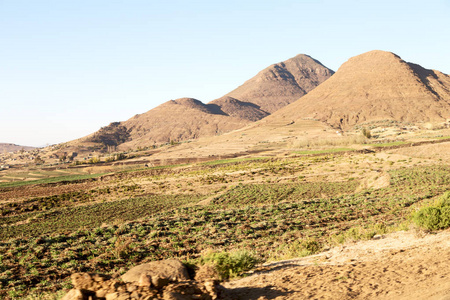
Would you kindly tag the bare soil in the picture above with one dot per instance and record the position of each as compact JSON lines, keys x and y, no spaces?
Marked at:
{"x":402,"y":265}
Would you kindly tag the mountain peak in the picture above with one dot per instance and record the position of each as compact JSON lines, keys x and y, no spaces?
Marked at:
{"x":377,"y":85}
{"x":188,"y":118}
{"x":282,"y":83}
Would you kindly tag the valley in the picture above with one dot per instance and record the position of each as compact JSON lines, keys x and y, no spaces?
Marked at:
{"x":108,"y":218}
{"x":297,"y":162}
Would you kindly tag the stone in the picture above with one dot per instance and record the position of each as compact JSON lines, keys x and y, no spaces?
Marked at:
{"x":82,"y":281}
{"x":206,"y":272}
{"x":170,"y":268}
{"x":145,"y":280}
{"x":101,"y":293}
{"x":135,"y":295}
{"x":159,"y":282}
{"x":73,"y":294}
{"x":131,"y":288}
{"x":117,"y":296}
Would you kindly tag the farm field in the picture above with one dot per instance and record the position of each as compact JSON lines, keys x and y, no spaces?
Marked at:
{"x":277,"y":207}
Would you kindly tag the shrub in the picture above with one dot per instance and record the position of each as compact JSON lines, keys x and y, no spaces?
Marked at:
{"x":230,"y":265}
{"x":435,"y":216}
{"x":94,"y":160}
{"x":304,"y":248}
{"x":366,"y":133}
{"x":112,"y":135}
{"x":300,"y":248}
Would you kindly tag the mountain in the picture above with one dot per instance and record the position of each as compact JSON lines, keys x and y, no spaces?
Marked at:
{"x":188,"y":118}
{"x":7,"y":147}
{"x":282,"y":83}
{"x":373,"y":86}
{"x":238,"y":109}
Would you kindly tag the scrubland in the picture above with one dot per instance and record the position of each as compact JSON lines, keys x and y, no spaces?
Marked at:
{"x":274,"y":207}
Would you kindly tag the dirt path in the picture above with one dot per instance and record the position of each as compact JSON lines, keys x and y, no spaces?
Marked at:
{"x":397,"y":266}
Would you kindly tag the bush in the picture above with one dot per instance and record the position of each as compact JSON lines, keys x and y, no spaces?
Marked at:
{"x":366,"y":133}
{"x":94,"y":160}
{"x":300,"y":248}
{"x":230,"y":265}
{"x":436,"y":216}
{"x":304,"y":248}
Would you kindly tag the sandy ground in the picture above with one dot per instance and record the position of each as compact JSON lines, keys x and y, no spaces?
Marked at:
{"x":439,"y":152}
{"x":402,"y":265}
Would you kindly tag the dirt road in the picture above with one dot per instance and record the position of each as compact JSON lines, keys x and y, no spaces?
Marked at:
{"x":402,"y":265}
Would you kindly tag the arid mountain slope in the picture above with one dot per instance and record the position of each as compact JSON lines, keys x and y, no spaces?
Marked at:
{"x":282,"y":83}
{"x":376,"y":85}
{"x":188,"y":118}
{"x":184,"y":119}
{"x":6,"y":147}
{"x":238,"y":109}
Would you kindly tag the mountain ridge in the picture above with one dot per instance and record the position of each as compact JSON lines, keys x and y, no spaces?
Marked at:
{"x":373,"y":86}
{"x":188,"y":118}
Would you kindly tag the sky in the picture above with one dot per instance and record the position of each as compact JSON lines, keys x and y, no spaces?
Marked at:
{"x":69,"y":67}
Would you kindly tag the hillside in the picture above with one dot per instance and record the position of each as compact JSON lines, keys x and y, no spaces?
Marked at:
{"x":188,"y":118}
{"x":374,"y":86}
{"x":282,"y":83}
{"x":238,"y":109}
{"x":7,"y":147}
{"x":107,"y":218}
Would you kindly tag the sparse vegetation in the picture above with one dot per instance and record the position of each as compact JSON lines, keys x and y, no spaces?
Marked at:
{"x":325,"y":151}
{"x":435,"y":216}
{"x":230,"y":264}
{"x":270,"y":208}
{"x":112,"y":135}
{"x":366,"y":132}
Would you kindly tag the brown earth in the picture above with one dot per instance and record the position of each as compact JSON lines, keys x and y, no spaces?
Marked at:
{"x":439,"y":152}
{"x":238,"y":109}
{"x":282,"y":83}
{"x":181,"y":119}
{"x":374,"y":86}
{"x":5,"y":147}
{"x":403,"y":265}
{"x":188,"y":118}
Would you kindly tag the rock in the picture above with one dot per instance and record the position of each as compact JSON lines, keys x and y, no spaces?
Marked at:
{"x":131,"y":288}
{"x":206,"y":272}
{"x":186,"y":290}
{"x":210,"y":287}
{"x":135,"y":295}
{"x":159,"y":282}
{"x":151,"y":285}
{"x":117,"y":296}
{"x":101,"y":293}
{"x":170,"y":268}
{"x":145,"y":280}
{"x":73,"y":294}
{"x":88,"y":281}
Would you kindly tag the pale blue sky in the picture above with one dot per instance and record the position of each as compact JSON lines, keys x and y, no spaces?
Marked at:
{"x":68,"y":67}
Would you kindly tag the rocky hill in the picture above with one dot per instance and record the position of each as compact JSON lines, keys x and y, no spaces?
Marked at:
{"x":373,"y":86}
{"x":7,"y":147}
{"x":282,"y":83}
{"x":238,"y":109}
{"x":188,"y":118}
